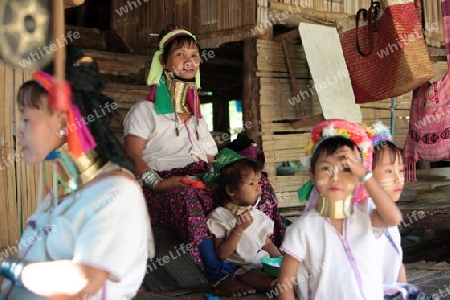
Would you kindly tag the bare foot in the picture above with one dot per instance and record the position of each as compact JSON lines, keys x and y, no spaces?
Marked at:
{"x":230,"y":287}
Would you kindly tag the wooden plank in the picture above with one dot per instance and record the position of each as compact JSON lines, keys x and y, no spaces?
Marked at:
{"x":289,"y":183}
{"x":293,"y":141}
{"x":126,"y":95}
{"x":288,"y":199}
{"x":284,"y":155}
{"x":369,"y":113}
{"x":269,"y":127}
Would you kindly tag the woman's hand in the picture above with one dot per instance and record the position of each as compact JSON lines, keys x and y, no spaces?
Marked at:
{"x":351,"y":159}
{"x":169,"y":183}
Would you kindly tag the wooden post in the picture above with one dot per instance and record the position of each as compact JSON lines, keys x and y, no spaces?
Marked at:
{"x":250,"y":92}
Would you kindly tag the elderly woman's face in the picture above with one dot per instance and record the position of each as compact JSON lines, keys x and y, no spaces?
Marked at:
{"x":183,"y":62}
{"x":39,"y":132}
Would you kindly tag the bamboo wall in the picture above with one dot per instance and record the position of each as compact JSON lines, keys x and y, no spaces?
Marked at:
{"x":17,"y":181}
{"x":215,"y":22}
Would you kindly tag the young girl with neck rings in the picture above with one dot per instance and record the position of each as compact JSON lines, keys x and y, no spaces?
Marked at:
{"x":241,"y":233}
{"x":389,"y":171}
{"x":338,"y":236}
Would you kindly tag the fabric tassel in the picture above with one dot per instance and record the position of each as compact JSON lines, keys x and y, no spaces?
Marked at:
{"x":156,"y":68}
{"x":151,"y":94}
{"x":84,"y":135}
{"x":193,"y":103}
{"x":73,"y":139}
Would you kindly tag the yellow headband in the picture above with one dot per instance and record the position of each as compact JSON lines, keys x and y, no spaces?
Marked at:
{"x":156,"y":68}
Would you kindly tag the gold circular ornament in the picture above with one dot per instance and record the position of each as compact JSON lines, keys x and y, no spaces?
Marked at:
{"x":25,"y":34}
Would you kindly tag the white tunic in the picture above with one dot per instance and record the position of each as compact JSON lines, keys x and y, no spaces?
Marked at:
{"x":393,"y":255}
{"x":248,"y":253}
{"x":390,"y":241}
{"x":335,"y":266}
{"x":165,"y":150}
{"x":104,"y":226}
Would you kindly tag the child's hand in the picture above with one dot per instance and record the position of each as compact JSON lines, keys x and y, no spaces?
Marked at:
{"x":351,"y":159}
{"x":244,"y":220}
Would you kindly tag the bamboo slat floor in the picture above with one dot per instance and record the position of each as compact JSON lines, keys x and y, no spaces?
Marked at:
{"x":433,"y":278}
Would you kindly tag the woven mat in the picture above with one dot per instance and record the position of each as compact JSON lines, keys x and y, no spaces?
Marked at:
{"x":179,"y":276}
{"x":151,"y":296}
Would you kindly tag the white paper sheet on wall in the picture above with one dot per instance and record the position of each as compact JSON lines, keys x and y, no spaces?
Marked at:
{"x":329,"y":72}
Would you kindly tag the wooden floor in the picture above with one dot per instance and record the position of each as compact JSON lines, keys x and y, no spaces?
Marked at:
{"x":432,"y":278}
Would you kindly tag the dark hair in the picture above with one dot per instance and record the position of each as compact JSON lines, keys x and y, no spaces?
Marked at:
{"x":178,"y":42}
{"x":30,"y":94}
{"x":87,"y":86}
{"x":329,"y":146}
{"x":380,"y":150}
{"x":231,"y":176}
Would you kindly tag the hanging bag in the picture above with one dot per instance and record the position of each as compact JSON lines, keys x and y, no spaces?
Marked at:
{"x":429,"y":124}
{"x":385,"y":50}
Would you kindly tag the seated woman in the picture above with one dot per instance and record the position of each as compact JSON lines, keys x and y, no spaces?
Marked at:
{"x":88,"y":237}
{"x":168,"y":139}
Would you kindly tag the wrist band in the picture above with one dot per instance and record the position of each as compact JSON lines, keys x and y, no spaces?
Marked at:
{"x":236,"y":233}
{"x":11,"y":268}
{"x":366,"y":177}
{"x":150,"y":179}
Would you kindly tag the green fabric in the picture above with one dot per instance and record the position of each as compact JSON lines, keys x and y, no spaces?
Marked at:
{"x":224,"y":157}
{"x":305,"y":191}
{"x":163,"y":103}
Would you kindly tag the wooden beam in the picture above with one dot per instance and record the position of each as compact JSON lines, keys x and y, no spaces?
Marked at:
{"x":72,"y":3}
{"x":437,"y":54}
{"x":230,"y":31}
{"x":306,"y":12}
{"x":250,"y":91}
{"x":292,"y":34}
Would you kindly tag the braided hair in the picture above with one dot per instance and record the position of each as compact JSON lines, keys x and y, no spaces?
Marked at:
{"x":87,"y":85}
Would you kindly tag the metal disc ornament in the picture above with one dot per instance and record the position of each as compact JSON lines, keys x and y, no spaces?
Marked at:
{"x":25,"y":34}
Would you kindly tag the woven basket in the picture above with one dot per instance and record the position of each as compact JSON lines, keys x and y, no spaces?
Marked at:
{"x":397,"y":59}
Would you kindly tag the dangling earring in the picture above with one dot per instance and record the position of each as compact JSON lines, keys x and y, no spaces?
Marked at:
{"x":62,"y":132}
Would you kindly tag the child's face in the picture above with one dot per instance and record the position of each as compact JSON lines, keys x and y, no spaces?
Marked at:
{"x":390,"y":175}
{"x":333,"y":179}
{"x":250,"y":188}
{"x":38,"y":134}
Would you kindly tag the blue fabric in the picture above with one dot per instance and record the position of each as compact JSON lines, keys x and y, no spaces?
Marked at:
{"x":213,"y":267}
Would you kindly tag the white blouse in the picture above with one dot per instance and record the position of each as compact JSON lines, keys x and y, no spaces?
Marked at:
{"x":164,"y":150}
{"x":248,"y":252}
{"x":104,"y":226}
{"x":335,"y":266}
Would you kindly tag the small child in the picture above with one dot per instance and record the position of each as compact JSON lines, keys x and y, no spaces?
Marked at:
{"x":389,"y":171}
{"x":241,"y":233}
{"x":331,"y":251}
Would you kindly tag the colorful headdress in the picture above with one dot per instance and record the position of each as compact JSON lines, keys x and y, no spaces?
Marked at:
{"x":379,"y":132}
{"x":346,"y":129}
{"x":79,"y":138}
